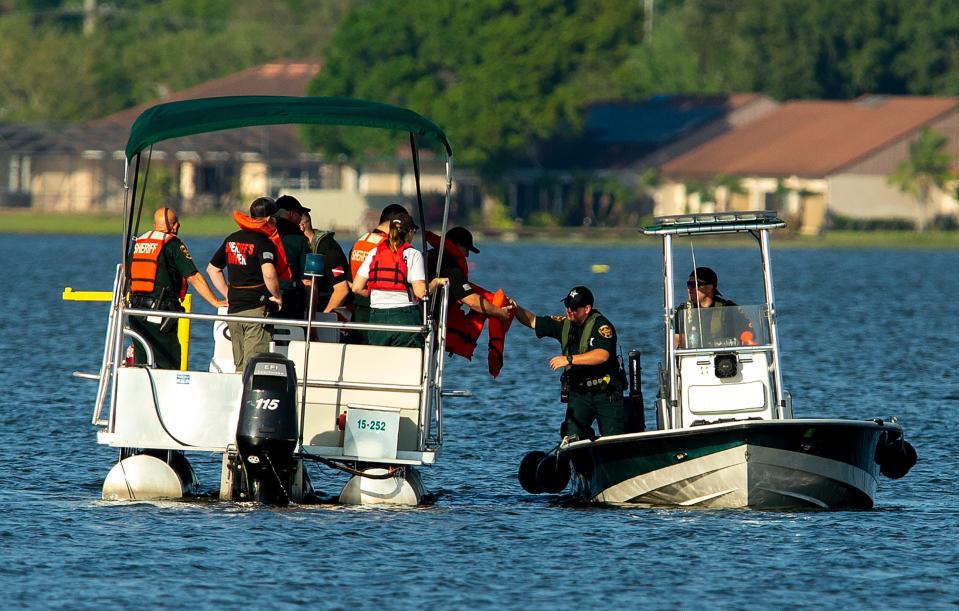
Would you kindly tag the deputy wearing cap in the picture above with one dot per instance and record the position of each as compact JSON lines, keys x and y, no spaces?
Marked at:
{"x":288,"y":215}
{"x":592,"y":380}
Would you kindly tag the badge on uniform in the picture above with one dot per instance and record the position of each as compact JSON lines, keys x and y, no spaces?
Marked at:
{"x":606,"y":331}
{"x":185,"y":251}
{"x":557,"y":318}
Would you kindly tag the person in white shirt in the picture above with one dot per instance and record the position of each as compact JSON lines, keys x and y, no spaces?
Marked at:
{"x":394,"y":277}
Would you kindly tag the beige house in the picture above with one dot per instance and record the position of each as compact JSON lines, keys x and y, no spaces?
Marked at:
{"x":813,"y":158}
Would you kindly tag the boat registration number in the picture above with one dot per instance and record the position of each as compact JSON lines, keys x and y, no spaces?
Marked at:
{"x":371,"y":425}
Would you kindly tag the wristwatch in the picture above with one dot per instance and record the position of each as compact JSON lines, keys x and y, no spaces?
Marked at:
{"x":569,"y":359}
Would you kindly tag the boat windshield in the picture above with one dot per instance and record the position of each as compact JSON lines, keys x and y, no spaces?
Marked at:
{"x":721,"y":327}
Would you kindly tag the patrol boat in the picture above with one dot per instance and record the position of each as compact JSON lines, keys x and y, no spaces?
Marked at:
{"x":373,"y":412}
{"x":726,"y":436}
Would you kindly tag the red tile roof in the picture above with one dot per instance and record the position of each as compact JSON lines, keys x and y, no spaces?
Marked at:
{"x":810,"y":138}
{"x":278,"y":77}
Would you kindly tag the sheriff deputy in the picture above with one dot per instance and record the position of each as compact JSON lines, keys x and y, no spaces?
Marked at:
{"x":160,"y":269}
{"x":592,"y":380}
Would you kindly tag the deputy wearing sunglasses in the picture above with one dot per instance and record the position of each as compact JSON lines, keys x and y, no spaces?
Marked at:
{"x":712,"y":328}
{"x":592,"y":382}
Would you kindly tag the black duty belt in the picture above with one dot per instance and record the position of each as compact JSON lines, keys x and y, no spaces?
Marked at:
{"x":146,"y":302}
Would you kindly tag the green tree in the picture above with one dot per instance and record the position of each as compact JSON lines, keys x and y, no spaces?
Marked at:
{"x":929,"y":165}
{"x":500,"y":76}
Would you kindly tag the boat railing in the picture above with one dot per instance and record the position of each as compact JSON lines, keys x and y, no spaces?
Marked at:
{"x":429,"y":388}
{"x":724,"y":350}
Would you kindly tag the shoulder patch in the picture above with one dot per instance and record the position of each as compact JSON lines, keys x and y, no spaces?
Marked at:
{"x":185,"y":251}
{"x":606,"y":331}
{"x":557,"y":317}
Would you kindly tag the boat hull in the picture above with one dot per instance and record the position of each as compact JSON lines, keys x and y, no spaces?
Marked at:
{"x":783,"y":464}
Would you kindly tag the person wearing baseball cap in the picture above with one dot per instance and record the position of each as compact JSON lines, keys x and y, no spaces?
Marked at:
{"x":255,"y":263}
{"x":592,"y":382}
{"x":459,"y":246}
{"x":287,"y":216}
{"x":728,"y":325}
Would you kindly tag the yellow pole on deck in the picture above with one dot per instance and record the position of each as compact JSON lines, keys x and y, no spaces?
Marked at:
{"x":183,"y":328}
{"x":183,"y":332}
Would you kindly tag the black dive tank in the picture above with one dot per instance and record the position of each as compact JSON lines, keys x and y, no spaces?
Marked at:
{"x":266,"y":433}
{"x":633,"y":415}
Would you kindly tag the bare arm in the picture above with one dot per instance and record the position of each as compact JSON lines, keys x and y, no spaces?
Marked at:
{"x":523,"y":315}
{"x":359,"y":286}
{"x":340,"y":291}
{"x":480,"y":304}
{"x":216,"y":277}
{"x":203,"y":289}
{"x":419,"y":288}
{"x":272,"y":283}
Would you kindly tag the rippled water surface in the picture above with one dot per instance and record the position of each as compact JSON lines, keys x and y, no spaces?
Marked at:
{"x":863,"y":334}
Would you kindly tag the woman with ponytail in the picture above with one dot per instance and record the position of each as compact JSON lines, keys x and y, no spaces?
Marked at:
{"x":394,"y":277}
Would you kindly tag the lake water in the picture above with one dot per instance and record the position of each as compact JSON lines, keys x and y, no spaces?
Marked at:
{"x":863,"y":333}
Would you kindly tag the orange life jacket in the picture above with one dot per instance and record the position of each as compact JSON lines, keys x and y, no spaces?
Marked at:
{"x":497,"y":334}
{"x":463,"y":331}
{"x":388,"y":271}
{"x":145,"y":261}
{"x":363,"y":247}
{"x":262,"y":225}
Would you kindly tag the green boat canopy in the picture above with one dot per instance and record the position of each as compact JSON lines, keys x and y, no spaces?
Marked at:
{"x":188,"y":117}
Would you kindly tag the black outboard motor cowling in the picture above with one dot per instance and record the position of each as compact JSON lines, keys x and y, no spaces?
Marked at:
{"x":266,"y":433}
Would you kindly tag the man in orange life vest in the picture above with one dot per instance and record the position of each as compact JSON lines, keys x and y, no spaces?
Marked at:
{"x":256,"y":262}
{"x":364,"y":246}
{"x":463,"y":330}
{"x":160,"y":269}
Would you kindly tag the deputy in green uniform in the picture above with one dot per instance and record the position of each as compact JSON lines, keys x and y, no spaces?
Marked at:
{"x":592,"y":380}
{"x":159,"y":271}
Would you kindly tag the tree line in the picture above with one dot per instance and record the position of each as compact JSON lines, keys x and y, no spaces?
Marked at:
{"x":503,"y":78}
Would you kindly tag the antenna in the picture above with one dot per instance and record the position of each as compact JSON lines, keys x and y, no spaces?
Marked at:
{"x":699,"y":310}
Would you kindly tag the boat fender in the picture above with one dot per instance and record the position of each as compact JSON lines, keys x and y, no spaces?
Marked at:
{"x":527,"y":471}
{"x":895,"y":455}
{"x":553,"y":472}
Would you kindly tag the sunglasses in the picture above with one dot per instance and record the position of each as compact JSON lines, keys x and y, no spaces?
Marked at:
{"x":691,"y":284}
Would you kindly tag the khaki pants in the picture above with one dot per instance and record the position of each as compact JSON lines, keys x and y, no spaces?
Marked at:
{"x":248,"y":338}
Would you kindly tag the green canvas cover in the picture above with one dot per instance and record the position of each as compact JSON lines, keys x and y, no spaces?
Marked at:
{"x":187,"y":117}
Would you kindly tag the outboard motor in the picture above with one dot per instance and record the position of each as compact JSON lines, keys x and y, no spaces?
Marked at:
{"x":266,"y":433}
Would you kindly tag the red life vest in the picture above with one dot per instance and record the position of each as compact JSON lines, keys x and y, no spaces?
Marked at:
{"x":364,"y":246}
{"x":261,"y":225}
{"x":145,"y":261}
{"x":388,"y":270}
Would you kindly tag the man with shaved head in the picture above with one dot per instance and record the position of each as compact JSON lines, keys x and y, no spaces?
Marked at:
{"x":159,"y":271}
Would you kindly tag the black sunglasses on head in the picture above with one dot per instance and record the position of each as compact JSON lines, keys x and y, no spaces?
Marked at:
{"x":692,"y":284}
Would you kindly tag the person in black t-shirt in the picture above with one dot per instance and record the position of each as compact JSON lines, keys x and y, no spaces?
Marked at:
{"x":249,"y":257}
